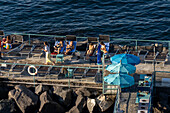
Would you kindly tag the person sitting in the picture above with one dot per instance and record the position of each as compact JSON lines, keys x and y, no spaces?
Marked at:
{"x":3,"y":42}
{"x":103,"y":48}
{"x":91,"y":49}
{"x":7,"y":43}
{"x":69,"y":47}
{"x":58,"y":47}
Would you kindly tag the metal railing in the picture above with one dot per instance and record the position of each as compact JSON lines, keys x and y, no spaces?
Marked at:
{"x":113,"y":39}
{"x":117,"y":101}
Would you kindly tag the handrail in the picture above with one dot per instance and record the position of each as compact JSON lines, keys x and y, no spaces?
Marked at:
{"x":113,"y":38}
{"x":51,"y":65}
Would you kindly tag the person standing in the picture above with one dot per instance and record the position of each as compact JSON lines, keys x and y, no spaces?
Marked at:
{"x":47,"y":54}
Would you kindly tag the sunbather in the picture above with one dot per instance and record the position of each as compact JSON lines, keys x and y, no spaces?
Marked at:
{"x":7,"y":43}
{"x":69,"y":47}
{"x":103,"y":48}
{"x":58,"y":47}
{"x":91,"y":49}
{"x":48,"y":54}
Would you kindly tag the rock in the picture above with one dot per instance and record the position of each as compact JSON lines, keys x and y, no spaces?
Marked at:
{"x":80,"y":104}
{"x":64,"y":95}
{"x":4,"y":92}
{"x":83,"y":91}
{"x":49,"y":106}
{"x":40,"y":89}
{"x":91,"y":103}
{"x":104,"y":102}
{"x":7,"y":106}
{"x":25,"y":99}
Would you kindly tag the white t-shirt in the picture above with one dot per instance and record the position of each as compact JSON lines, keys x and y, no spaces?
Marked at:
{"x":48,"y":49}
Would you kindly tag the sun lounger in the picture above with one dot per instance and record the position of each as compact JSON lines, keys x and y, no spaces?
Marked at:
{"x":162,"y":58}
{"x":18,"y":68}
{"x":94,"y":41}
{"x":79,"y":73}
{"x":149,"y":57}
{"x":37,"y":51}
{"x":43,"y":70}
{"x":15,"y":43}
{"x":70,"y":38}
{"x":55,"y":70}
{"x":6,"y":67}
{"x":57,"y":41}
{"x":91,"y":73}
{"x":114,"y":49}
{"x":106,"y":40}
{"x":2,"y":34}
{"x":26,"y":50}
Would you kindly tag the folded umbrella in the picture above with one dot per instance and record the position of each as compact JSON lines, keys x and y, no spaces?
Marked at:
{"x":123,"y":80}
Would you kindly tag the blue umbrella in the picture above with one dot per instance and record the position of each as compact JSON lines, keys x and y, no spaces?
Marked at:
{"x":125,"y":59}
{"x":121,"y":68}
{"x":124,"y":80}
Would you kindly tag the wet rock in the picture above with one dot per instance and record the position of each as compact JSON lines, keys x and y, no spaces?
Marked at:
{"x":7,"y":106}
{"x":80,"y":104}
{"x":83,"y":91}
{"x":63,"y":95}
{"x":91,"y":103}
{"x":40,"y":89}
{"x":49,"y":106}
{"x":25,"y":99}
{"x":104,"y":102}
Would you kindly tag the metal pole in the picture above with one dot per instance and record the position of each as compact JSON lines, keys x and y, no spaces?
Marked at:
{"x":29,"y":39}
{"x":169,"y":47}
{"x":68,"y":78}
{"x":103,"y":72}
{"x":136,"y":45}
{"x":34,"y":79}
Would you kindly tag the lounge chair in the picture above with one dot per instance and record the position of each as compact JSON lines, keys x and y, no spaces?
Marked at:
{"x":2,"y":34}
{"x":79,"y":73}
{"x":37,"y":51}
{"x":132,"y":50}
{"x":16,"y":44}
{"x":114,"y":49}
{"x":57,"y":41}
{"x":106,"y":40}
{"x":43,"y":70}
{"x":162,"y":58}
{"x":94,"y":41}
{"x":26,"y":50}
{"x":91,"y":73}
{"x":149,"y":57}
{"x":70,"y":38}
{"x":54,"y":70}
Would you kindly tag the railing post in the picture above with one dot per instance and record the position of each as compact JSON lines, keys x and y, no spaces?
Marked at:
{"x":169,"y":47}
{"x":136,"y":45}
{"x":103,"y":72}
{"x":29,"y":39}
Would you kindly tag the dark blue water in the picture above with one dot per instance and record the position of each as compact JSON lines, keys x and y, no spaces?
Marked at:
{"x":142,"y":19}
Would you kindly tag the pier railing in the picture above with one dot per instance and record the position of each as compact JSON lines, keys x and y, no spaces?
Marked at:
{"x":67,"y":76}
{"x":113,"y":39}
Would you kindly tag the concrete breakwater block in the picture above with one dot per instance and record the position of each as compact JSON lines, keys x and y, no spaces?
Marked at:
{"x":80,"y":104}
{"x":49,"y":106}
{"x":63,"y":95}
{"x":7,"y":106}
{"x":91,"y":104}
{"x":104,"y":102}
{"x":40,"y":89}
{"x":24,"y":98}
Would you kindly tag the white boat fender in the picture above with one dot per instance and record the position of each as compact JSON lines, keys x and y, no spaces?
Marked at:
{"x":32,"y":66}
